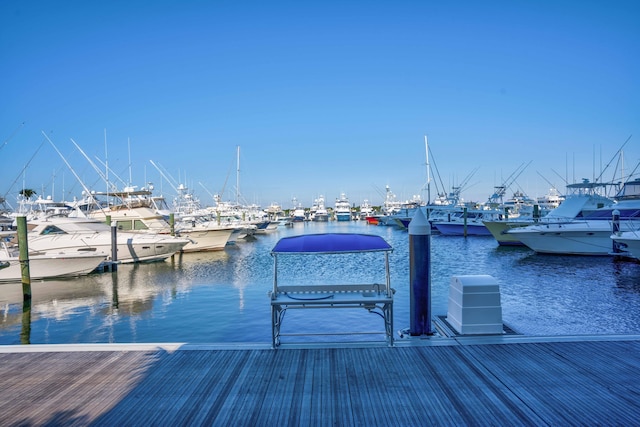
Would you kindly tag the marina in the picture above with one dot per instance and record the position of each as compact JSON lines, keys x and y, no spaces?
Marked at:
{"x":222,"y":296}
{"x":434,"y":219}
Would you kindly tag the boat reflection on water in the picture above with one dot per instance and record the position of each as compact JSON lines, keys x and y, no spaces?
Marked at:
{"x":131,"y":291}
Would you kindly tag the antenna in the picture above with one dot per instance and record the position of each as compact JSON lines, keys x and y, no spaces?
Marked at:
{"x":171,"y":181}
{"x":426,"y":146}
{"x":129,"y":149}
{"x":614,"y":156}
{"x":72,"y":171}
{"x":548,"y":182}
{"x":560,"y":176}
{"x":115,"y":188}
{"x":437,"y":174}
{"x":6,"y":141}
{"x":106,"y":161}
{"x":213,"y":196}
{"x":4,"y":196}
{"x":93,"y":165}
{"x":238,"y":177}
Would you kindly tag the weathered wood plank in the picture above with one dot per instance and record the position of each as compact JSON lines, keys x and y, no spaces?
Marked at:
{"x":515,"y":384}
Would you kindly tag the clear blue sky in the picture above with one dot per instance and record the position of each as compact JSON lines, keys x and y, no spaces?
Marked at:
{"x":321,"y":97}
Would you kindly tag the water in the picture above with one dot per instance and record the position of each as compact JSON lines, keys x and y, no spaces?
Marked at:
{"x":221,"y":297}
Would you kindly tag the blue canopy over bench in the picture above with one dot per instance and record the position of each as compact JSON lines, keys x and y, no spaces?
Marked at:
{"x":371,"y":296}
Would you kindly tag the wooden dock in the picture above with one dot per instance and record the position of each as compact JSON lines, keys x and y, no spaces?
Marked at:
{"x":475,"y":381}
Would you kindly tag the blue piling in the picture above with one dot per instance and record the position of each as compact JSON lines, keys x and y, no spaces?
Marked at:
{"x":420,"y":274}
{"x":615,"y":229}
{"x":114,"y":246}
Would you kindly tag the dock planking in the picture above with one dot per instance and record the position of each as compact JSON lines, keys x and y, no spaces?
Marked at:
{"x":518,"y":383}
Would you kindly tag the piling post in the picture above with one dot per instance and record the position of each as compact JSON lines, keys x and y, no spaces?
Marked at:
{"x":536,"y":213}
{"x":420,"y":274}
{"x":172,"y":223}
{"x":25,"y":332}
{"x":114,"y":245}
{"x":464,"y":217}
{"x":24,"y":257}
{"x":615,"y":229}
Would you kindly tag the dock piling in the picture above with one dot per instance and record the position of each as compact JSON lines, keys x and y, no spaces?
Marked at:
{"x":114,"y":246}
{"x":615,"y":229}
{"x":464,"y":216}
{"x":24,"y":257}
{"x":420,"y":275}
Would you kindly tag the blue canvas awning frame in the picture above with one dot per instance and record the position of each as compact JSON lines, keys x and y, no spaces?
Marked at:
{"x":370,"y":296}
{"x":331,"y":243}
{"x":326,"y":243}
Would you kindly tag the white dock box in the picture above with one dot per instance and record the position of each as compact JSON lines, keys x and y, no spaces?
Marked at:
{"x":474,"y":305}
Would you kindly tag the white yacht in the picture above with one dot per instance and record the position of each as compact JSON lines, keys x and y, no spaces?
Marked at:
{"x":342,"y":208}
{"x":586,"y":234}
{"x":82,"y":235}
{"x":297,"y":213}
{"x":627,"y":243}
{"x":469,"y":222}
{"x":365,"y":209}
{"x":320,"y":213}
{"x":582,"y":199}
{"x":205,"y":234}
{"x":45,"y":265}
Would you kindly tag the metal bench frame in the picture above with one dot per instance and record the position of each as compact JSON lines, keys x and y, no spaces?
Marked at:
{"x":374,"y":297}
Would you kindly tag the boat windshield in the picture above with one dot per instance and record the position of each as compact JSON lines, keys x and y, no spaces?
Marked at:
{"x":607,"y":214}
{"x":52,"y":229}
{"x":630,"y":190}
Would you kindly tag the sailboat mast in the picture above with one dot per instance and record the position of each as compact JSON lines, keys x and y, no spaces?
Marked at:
{"x":129,"y":150}
{"x":238,"y":176}
{"x":426,"y":146}
{"x":106,"y":161}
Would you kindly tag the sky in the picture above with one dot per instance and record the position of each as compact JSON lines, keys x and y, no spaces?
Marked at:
{"x":318,"y":97}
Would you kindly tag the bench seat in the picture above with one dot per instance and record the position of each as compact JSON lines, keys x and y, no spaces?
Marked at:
{"x":374,"y":297}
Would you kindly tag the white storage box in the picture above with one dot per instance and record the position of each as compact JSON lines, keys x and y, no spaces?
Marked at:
{"x":474,"y":305}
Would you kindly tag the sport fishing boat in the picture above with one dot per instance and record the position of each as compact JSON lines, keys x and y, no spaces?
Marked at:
{"x":627,"y":243}
{"x":589,"y":234}
{"x":582,"y":199}
{"x":82,"y":235}
{"x":342,"y":208}
{"x":45,"y":265}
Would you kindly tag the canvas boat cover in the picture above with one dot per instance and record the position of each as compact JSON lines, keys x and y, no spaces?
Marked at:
{"x":331,"y":243}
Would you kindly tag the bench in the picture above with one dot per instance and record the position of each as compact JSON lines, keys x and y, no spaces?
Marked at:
{"x":374,"y":297}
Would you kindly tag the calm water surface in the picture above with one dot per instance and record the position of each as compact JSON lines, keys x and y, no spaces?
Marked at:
{"x":221,"y":297}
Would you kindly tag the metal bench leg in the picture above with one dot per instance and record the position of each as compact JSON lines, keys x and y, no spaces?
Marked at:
{"x":276,"y":319}
{"x":388,"y":322}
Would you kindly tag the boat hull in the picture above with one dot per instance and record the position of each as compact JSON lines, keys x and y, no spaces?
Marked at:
{"x":203,"y":240}
{"x":629,"y":242}
{"x":386,"y":220}
{"x":131,"y":247}
{"x":266,"y":227}
{"x":51,"y":266}
{"x":321,"y":217}
{"x":403,"y":223}
{"x":567,"y":239}
{"x":453,"y":229}
{"x":372,"y":220}
{"x":498,"y":230}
